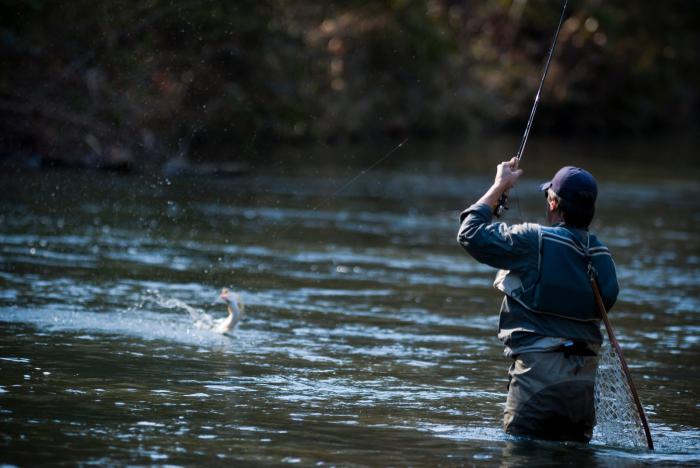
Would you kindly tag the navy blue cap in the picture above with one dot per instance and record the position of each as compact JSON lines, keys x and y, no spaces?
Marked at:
{"x":574,"y":185}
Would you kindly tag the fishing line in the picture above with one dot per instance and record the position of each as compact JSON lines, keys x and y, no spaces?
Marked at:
{"x":516,"y":196}
{"x":349,"y":182}
{"x":366,"y":170}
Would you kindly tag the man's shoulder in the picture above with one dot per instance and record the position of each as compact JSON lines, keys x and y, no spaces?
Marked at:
{"x":565,"y":232}
{"x":595,"y":241}
{"x":526,"y":229}
{"x":581,"y":241}
{"x":526,"y":235}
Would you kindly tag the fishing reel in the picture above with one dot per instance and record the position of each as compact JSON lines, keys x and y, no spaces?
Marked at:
{"x":501,"y":207}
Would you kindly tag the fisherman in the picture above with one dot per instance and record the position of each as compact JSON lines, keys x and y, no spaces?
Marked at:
{"x":548,"y":321}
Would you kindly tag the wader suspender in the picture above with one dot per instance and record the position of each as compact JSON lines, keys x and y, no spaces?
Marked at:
{"x":616,"y":346}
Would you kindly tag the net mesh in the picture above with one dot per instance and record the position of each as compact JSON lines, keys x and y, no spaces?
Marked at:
{"x":617,"y":421}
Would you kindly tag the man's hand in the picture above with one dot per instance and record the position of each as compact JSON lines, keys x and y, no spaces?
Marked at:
{"x":507,"y":175}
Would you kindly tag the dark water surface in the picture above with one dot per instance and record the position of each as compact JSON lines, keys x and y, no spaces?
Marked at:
{"x":369,"y":337}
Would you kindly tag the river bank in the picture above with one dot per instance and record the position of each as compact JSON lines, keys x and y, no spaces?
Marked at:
{"x":134,"y":85}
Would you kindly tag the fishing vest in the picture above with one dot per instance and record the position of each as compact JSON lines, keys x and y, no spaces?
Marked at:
{"x":561,"y":286}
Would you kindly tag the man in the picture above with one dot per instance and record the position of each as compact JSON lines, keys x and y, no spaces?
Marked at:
{"x":548,"y":320}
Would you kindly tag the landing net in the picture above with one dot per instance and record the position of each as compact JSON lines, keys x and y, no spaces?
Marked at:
{"x":617,"y":421}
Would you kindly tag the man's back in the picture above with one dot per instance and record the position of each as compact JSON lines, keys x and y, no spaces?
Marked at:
{"x":543,"y":274}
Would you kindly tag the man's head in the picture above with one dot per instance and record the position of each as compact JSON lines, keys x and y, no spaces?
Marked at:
{"x":571,"y":196}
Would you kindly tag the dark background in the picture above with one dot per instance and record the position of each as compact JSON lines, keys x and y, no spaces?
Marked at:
{"x":133,"y":85}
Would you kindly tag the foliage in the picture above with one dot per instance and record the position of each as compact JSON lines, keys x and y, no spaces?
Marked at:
{"x":135,"y":83}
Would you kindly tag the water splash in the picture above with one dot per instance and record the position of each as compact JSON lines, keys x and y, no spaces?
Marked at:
{"x":200,"y":318}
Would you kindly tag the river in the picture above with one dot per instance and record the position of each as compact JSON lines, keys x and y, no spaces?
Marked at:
{"x":369,"y":336}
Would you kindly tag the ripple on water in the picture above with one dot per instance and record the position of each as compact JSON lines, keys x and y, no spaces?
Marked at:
{"x":349,"y":329}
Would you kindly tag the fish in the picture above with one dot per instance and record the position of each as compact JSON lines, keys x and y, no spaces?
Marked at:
{"x":235,"y":308}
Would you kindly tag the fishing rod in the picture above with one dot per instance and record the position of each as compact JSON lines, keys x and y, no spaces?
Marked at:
{"x":501,"y":207}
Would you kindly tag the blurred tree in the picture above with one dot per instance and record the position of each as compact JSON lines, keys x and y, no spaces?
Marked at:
{"x":127,"y":83}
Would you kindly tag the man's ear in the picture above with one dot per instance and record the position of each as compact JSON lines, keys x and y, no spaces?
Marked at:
{"x":552,"y":204}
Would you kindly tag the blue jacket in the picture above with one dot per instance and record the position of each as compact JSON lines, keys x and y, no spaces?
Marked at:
{"x":543,"y":275}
